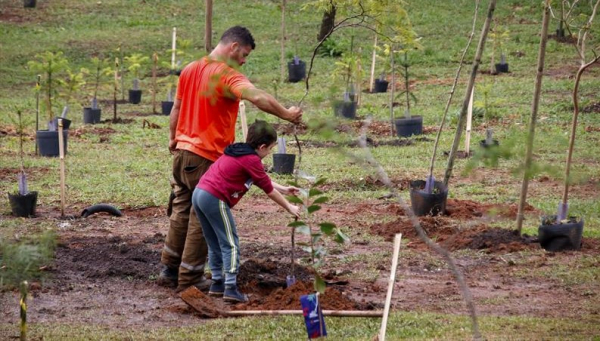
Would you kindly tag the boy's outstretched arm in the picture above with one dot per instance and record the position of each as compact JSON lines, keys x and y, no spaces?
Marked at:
{"x":280,"y":199}
{"x":285,"y":190}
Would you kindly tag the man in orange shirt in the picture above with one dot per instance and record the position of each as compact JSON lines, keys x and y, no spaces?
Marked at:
{"x":202,"y":124}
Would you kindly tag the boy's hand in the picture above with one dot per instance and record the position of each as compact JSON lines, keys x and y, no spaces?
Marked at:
{"x":294,"y":210}
{"x":291,"y":190}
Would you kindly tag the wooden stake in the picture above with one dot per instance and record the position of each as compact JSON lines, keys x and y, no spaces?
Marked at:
{"x":154,"y":66}
{"x":116,"y":88}
{"x":388,"y":299}
{"x":242,"y":112}
{"x":372,"y":78}
{"x":469,"y":120}
{"x":61,"y":153}
{"x":173,"y":46}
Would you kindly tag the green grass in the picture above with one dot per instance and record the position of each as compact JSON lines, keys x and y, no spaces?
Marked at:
{"x":132,"y":168}
{"x":401,"y":325}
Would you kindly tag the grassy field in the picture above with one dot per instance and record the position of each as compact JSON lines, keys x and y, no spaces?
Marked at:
{"x":132,"y":168}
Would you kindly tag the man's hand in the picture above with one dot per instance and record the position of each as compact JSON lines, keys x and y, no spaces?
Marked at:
{"x":295,"y":115}
{"x":172,"y":146}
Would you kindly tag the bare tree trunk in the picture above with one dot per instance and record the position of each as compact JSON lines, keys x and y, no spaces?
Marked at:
{"x":327,"y":23}
{"x":463,"y":111}
{"x":534,"y":112}
{"x":462,"y":58}
{"x":208,"y":26}
{"x":282,"y":77}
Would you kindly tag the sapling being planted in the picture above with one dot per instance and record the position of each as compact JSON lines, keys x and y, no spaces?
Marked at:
{"x":310,"y":198}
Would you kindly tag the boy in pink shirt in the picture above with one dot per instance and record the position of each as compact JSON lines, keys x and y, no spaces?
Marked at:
{"x":221,"y":188}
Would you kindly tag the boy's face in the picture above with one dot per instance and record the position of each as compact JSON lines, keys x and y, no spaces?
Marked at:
{"x":264,"y":150}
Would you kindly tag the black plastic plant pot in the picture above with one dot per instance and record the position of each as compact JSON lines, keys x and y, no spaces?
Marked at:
{"x":135,"y":96}
{"x":91,"y":116}
{"x":23,"y":205}
{"x":562,"y":236}
{"x":283,"y":163}
{"x":166,"y":107}
{"x":424,"y":203}
{"x":47,"y":142}
{"x":66,"y":123}
{"x":29,"y":3}
{"x":296,"y":72}
{"x":484,"y":144}
{"x":407,"y":127}
{"x":346,"y":109}
{"x":380,"y":85}
{"x":502,"y":68}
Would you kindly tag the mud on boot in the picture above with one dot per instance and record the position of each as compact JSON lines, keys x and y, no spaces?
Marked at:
{"x":203,"y":284}
{"x":233,"y":295}
{"x":217,"y":288}
{"x":168,"y":277}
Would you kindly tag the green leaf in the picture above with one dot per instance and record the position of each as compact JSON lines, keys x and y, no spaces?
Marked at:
{"x":303,"y":229}
{"x":327,"y":228}
{"x":297,"y":223}
{"x":320,"y":200}
{"x":320,"y":284}
{"x":313,"y":191}
{"x":294,"y":199}
{"x":313,"y":208}
{"x":341,"y":238}
{"x":319,"y":181}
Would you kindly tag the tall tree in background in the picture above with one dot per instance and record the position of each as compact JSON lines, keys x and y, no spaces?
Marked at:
{"x":327,"y":22}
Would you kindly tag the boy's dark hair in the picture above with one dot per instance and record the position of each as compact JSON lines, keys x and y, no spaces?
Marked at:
{"x":261,"y":132}
{"x":240,"y":35}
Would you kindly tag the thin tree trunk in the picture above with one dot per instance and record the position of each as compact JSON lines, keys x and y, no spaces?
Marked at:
{"x":463,"y":111}
{"x":565,"y":196}
{"x":582,"y":68}
{"x":534,"y":112}
{"x":462,"y":58}
{"x":208,"y":26}
{"x":392,"y":92}
{"x":282,"y":76}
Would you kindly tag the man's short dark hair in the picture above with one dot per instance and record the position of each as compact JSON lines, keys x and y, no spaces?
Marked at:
{"x":259,"y":133}
{"x":240,"y":35}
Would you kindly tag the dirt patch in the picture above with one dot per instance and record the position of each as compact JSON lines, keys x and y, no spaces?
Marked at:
{"x":105,"y":267}
{"x":462,"y":227}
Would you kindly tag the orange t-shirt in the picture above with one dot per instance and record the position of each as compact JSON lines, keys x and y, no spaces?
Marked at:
{"x":210,"y":93}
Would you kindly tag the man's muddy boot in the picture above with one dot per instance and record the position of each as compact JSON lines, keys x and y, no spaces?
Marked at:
{"x":168,"y":277}
{"x":233,"y":295}
{"x":202,"y":285}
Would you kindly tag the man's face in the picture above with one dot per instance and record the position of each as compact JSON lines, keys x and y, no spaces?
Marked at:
{"x":239,"y":53}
